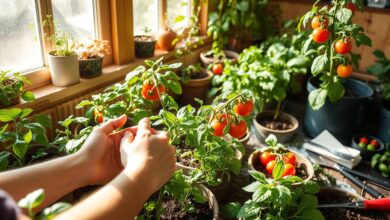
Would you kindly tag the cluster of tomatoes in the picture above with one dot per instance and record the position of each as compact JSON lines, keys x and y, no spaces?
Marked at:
{"x":370,"y":145}
{"x":237,"y":129}
{"x":270,"y":159}
{"x":149,"y":90}
{"x":342,"y":46}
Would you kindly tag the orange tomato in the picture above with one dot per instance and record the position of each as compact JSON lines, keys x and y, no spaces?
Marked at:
{"x":244,"y":109}
{"x":320,"y":35}
{"x":289,"y":170}
{"x":270,"y":166}
{"x":344,"y":71}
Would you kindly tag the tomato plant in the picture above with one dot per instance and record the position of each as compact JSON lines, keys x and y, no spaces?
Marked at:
{"x":238,"y":130}
{"x":11,"y":86}
{"x":319,"y":22}
{"x":244,"y":108}
{"x":266,"y":157}
{"x":149,"y":90}
{"x":335,"y":51}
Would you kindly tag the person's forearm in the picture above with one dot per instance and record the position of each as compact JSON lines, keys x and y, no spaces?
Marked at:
{"x":122,"y":198}
{"x":57,"y":177}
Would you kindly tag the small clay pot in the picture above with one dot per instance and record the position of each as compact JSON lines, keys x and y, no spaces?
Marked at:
{"x":206,"y":61}
{"x":144,"y":46}
{"x":64,"y":70}
{"x":282,"y":135}
{"x":254,"y":161}
{"x":195,"y":88}
{"x":90,"y":68}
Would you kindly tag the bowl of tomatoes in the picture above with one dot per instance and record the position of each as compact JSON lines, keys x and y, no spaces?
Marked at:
{"x":264,"y":160}
{"x":368,"y":145}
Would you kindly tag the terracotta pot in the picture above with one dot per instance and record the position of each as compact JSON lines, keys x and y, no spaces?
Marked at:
{"x":144,"y":48}
{"x":254,"y":161}
{"x":212,"y":200}
{"x":165,"y":37}
{"x":282,"y":135}
{"x":195,"y":88}
{"x":90,"y":68}
{"x":64,"y":70}
{"x":206,"y":61}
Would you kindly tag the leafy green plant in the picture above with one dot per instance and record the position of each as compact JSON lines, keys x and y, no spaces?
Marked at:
{"x":190,"y":72}
{"x":267,"y":71}
{"x":183,"y":189}
{"x":62,"y":41}
{"x":381,"y":69}
{"x":35,"y":199}
{"x":333,"y":31}
{"x":277,"y":199}
{"x":11,"y":87}
{"x":322,"y":177}
{"x":71,"y":141}
{"x":20,"y":133}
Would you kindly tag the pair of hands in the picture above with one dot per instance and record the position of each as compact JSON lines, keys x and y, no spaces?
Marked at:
{"x":145,"y":154}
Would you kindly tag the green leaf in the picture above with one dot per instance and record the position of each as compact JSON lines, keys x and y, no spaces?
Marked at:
{"x":44,"y":120}
{"x":362,"y":39}
{"x":4,"y":160}
{"x":54,"y":210}
{"x":28,"y":137}
{"x":258,"y":176}
{"x":262,"y":194}
{"x":117,"y":109}
{"x":317,"y":98}
{"x":25,"y":112}
{"x":344,"y":15}
{"x":231,"y":210}
{"x":278,"y":170}
{"x":312,"y":214}
{"x":4,"y":116}
{"x":319,"y":64}
{"x":335,"y":91}
{"x":28,"y":96}
{"x":20,"y":148}
{"x":149,"y":63}
{"x":379,"y":54}
{"x":32,"y":200}
{"x":175,"y":86}
{"x":250,"y":208}
{"x":308,"y":202}
{"x":271,"y":140}
{"x":83,"y":103}
{"x":179,"y":19}
{"x":252,"y":187}
{"x":311,"y":187}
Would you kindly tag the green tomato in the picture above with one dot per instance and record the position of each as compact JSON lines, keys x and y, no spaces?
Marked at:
{"x":370,"y":147}
{"x":384,"y":158}
{"x":383,"y":168}
{"x":385,"y":175}
{"x":362,"y":145}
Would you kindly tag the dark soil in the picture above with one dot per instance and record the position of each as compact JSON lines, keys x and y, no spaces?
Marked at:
{"x":386,"y":104}
{"x":144,"y":38}
{"x":188,"y":160}
{"x":173,"y":210}
{"x":199,"y":76}
{"x":278,"y":124}
{"x":299,"y":169}
{"x":350,"y":94}
{"x":333,"y":197}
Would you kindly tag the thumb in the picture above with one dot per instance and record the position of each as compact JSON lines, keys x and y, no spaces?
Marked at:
{"x":144,"y":126}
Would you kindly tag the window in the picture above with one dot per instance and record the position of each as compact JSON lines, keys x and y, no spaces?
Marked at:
{"x":178,"y":8}
{"x":145,"y":15}
{"x":76,"y":17}
{"x":21,"y":48}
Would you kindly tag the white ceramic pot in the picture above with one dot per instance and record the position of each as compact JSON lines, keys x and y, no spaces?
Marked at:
{"x":64,"y":70}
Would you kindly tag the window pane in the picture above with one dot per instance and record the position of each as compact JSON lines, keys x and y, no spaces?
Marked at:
{"x":76,"y":17}
{"x":177,"y":8}
{"x":20,"y":47}
{"x":145,"y":15}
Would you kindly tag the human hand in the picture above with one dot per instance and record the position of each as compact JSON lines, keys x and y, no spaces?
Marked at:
{"x":100,"y":152}
{"x":147,"y":156}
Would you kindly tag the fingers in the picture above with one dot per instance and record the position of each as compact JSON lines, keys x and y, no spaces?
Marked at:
{"x":163,"y":135}
{"x":144,"y":126}
{"x":128,"y":137}
{"x":113,"y":124}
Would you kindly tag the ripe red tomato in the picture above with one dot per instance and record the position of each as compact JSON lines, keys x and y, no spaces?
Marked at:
{"x":351,"y":7}
{"x":218,"y":127}
{"x":363,"y":140}
{"x":238,"y":130}
{"x":290,"y":158}
{"x":320,"y":35}
{"x":270,"y":166}
{"x":98,"y":116}
{"x":223,"y":117}
{"x":266,"y":157}
{"x":319,"y":22}
{"x":344,"y":71}
{"x":374,"y":142}
{"x":217,"y":68}
{"x":343,"y":46}
{"x":149,"y":91}
{"x":244,"y":109}
{"x":289,"y":170}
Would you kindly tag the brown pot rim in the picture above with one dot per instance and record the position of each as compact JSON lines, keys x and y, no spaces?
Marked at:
{"x":304,"y":160}
{"x":284,"y":115}
{"x":244,"y":139}
{"x":143,"y":35}
{"x":213,"y":202}
{"x":91,"y":59}
{"x":229,"y":53}
{"x":200,"y":82}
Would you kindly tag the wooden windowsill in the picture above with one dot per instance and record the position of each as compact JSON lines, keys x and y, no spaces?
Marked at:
{"x":50,"y":95}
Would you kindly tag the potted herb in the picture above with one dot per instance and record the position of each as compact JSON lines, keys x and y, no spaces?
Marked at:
{"x":382,"y":70}
{"x":11,"y":89}
{"x":195,"y":82}
{"x":25,"y":140}
{"x":91,"y":57}
{"x":181,"y":198}
{"x":277,"y":198}
{"x":144,"y":44}
{"x":335,"y":100}
{"x":275,"y":154}
{"x":63,"y":64}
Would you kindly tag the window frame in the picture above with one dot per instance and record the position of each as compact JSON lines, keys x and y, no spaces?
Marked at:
{"x":113,"y":18}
